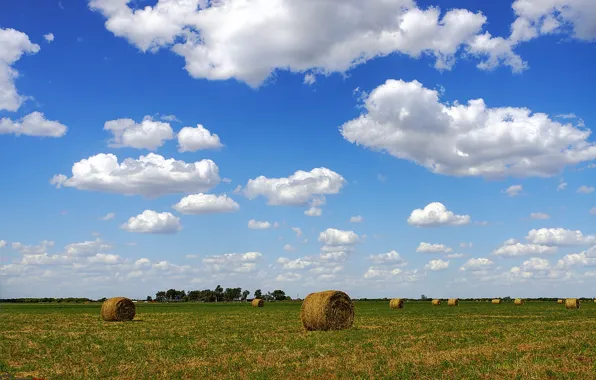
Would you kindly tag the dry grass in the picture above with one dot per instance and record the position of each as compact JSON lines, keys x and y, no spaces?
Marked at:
{"x":328,"y":310}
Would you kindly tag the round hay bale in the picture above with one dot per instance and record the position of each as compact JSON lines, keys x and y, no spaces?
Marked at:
{"x":496,"y":301}
{"x":453,"y":302}
{"x":396,"y":303}
{"x":571,"y":303}
{"x":257,"y":302}
{"x":594,"y":301}
{"x":436,"y":302}
{"x":328,"y":310}
{"x":118,"y":309}
{"x":560,"y":301}
{"x":518,"y":301}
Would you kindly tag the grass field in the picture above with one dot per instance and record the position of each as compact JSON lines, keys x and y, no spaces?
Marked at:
{"x":235,"y":341}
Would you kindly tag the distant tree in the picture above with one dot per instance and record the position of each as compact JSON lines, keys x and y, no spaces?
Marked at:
{"x":245,"y":295}
{"x":278,"y":295}
{"x":160,"y":296}
{"x":149,"y":298}
{"x":258,"y":293}
{"x":219,"y":293}
{"x":423,"y":297}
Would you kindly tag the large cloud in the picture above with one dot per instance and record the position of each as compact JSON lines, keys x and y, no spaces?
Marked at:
{"x":148,"y":134}
{"x":559,"y":237}
{"x":335,"y":237}
{"x":436,"y":214}
{"x":13,"y":44}
{"x":409,"y":122}
{"x":512,"y":248}
{"x":150,"y":176}
{"x":34,"y":124}
{"x":298,"y":189}
{"x":151,"y":222}
{"x":319,"y":36}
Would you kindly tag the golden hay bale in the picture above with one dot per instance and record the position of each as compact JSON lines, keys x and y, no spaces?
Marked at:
{"x":496,"y":301}
{"x":594,"y":301}
{"x":328,"y":310}
{"x":453,"y":302}
{"x":436,"y":302}
{"x":518,"y":301}
{"x":257,"y":302}
{"x":560,"y":301}
{"x":571,"y":303}
{"x":396,"y":303}
{"x":118,"y":309}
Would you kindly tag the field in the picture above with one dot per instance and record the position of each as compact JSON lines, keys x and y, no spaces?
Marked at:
{"x":236,"y":341}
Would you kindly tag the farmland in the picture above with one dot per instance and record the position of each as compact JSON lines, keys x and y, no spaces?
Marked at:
{"x":236,"y":341}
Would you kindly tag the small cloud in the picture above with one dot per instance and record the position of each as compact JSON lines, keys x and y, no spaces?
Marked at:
{"x":593,"y":210}
{"x":562,"y":186}
{"x":309,"y":79}
{"x":356,"y":219}
{"x":49,"y":37}
{"x":566,"y":116}
{"x":481,"y":223}
{"x":585,"y":189}
{"x":465,"y":245}
{"x":191,"y":256}
{"x":258,"y":225}
{"x":170,"y":118}
{"x":298,"y":231}
{"x":108,"y":216}
{"x":514,"y":190}
{"x":539,"y":216}
{"x":226,"y":180}
{"x":289,"y":248}
{"x":382,"y":178}
{"x":313,"y":211}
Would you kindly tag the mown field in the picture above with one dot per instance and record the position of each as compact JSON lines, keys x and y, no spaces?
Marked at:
{"x":235,"y":341}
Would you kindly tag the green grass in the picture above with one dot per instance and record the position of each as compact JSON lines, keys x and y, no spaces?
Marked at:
{"x":235,"y":341}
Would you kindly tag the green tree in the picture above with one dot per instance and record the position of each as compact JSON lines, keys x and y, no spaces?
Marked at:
{"x":258,"y":293}
{"x":278,"y":295}
{"x":245,"y":295}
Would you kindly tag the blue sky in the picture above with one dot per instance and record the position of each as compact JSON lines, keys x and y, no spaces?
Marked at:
{"x":369,"y":101}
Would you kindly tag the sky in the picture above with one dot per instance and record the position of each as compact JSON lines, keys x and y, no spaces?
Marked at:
{"x":387,"y":148}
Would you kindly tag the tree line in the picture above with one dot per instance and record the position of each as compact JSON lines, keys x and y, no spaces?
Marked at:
{"x":218,"y":294}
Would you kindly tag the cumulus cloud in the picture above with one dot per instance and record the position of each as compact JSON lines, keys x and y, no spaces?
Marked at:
{"x":108,"y":216}
{"x":148,"y":134}
{"x":562,"y":186}
{"x":455,"y":255}
{"x":409,"y":122}
{"x":356,"y":219}
{"x":433,"y":248}
{"x":216,"y":47}
{"x":559,"y":237}
{"x":514,"y":190}
{"x":298,"y":231}
{"x":389,"y":258}
{"x":34,"y":124}
{"x":13,"y":44}
{"x":233,"y":262}
{"x":436,"y":214}
{"x":477,"y":264}
{"x":288,"y":277}
{"x":335,"y":237}
{"x":150,"y":176}
{"x":539,"y":216}
{"x":32,"y":249}
{"x":49,"y":37}
{"x":436,"y":265}
{"x":298,"y":189}
{"x":585,"y":189}
{"x":206,"y":204}
{"x":313,"y":211}
{"x":258,"y":225}
{"x":152,"y":222}
{"x":582,"y":259}
{"x":512,"y":248}
{"x":199,"y":138}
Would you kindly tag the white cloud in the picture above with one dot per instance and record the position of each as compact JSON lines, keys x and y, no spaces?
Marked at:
{"x":199,"y":138}
{"x":108,"y":216}
{"x":49,"y":37}
{"x":296,"y":264}
{"x":576,"y":259}
{"x":455,"y":255}
{"x":2,"y":243}
{"x":433,"y":248}
{"x":32,"y":249}
{"x":313,"y":211}
{"x":298,"y":231}
{"x":34,"y":124}
{"x":512,"y":248}
{"x":356,"y":219}
{"x":477,"y":264}
{"x":585,"y":189}
{"x":288,"y":277}
{"x":233,"y":262}
{"x":217,"y":47}
{"x":514,"y":190}
{"x":539,"y":216}
{"x":152,"y":222}
{"x":335,"y":237}
{"x":206,"y":204}
{"x":593,"y":210}
{"x":465,"y":245}
{"x":297,"y":189}
{"x":436,"y":214}
{"x":150,"y":176}
{"x":149,"y":134}
{"x":309,"y":79}
{"x":86,"y":248}
{"x":389,"y":258}
{"x":559,"y":237}
{"x":289,"y":248}
{"x":408,"y":121}
{"x":562,"y":186}
{"x":436,"y":265}
{"x":257,"y":225}
{"x":13,"y":44}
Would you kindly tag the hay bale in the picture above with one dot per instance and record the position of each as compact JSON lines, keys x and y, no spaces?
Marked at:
{"x":518,"y":301}
{"x":396,"y":303}
{"x":571,"y":303}
{"x":453,"y":302}
{"x":496,"y":301}
{"x":257,"y":302}
{"x":560,"y":301}
{"x":118,"y":309}
{"x":594,"y":301}
{"x":328,"y":310}
{"x":436,"y":302}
